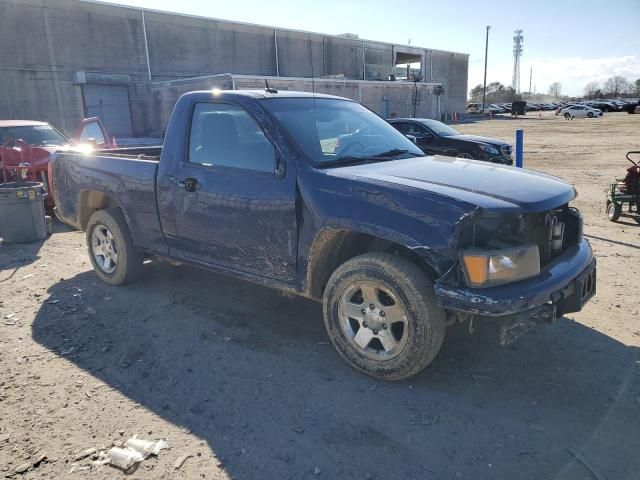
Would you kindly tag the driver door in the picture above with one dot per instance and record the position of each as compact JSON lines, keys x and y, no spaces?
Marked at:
{"x":580,"y":112}
{"x":232,"y":208}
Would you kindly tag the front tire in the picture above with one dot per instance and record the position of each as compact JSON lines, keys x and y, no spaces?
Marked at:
{"x":381,"y":315}
{"x":111,"y":250}
{"x":567,"y":116}
{"x":590,"y":114}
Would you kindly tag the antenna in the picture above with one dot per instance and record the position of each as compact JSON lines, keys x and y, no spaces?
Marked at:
{"x":267,"y":88}
{"x":313,"y":80}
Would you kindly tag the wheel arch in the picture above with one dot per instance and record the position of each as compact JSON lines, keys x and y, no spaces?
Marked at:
{"x":90,"y":201}
{"x":334,"y":246}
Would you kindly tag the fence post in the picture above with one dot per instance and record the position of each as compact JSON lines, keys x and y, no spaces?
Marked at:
{"x":519,"y":147}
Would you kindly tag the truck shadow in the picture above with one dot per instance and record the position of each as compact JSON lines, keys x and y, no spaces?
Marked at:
{"x":251,"y":372}
{"x":14,"y":256}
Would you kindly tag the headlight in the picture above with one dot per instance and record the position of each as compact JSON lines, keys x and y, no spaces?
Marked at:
{"x":489,"y":149}
{"x":490,"y":268}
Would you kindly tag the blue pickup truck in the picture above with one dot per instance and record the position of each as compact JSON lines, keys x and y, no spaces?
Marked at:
{"x":317,"y":195}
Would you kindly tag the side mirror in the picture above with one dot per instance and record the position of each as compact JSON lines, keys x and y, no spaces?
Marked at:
{"x":412,"y":138}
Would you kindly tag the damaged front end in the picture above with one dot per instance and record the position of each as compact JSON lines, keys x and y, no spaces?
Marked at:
{"x":532,"y":267}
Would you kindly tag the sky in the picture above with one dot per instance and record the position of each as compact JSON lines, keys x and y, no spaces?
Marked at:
{"x":568,"y":41}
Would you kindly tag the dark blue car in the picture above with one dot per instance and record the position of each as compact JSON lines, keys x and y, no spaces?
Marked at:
{"x":318,"y":196}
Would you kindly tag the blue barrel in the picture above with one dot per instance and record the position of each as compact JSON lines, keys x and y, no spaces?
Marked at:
{"x":22,"y":218}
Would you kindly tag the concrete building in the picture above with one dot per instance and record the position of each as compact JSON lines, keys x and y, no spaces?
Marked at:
{"x":62,"y":60}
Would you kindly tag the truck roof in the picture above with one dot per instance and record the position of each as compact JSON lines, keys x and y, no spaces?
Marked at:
{"x":261,"y":94}
{"x":20,"y":123}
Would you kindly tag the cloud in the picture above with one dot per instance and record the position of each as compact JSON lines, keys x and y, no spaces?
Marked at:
{"x":572,"y":72}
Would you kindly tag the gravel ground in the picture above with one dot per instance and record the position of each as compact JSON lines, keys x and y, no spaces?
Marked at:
{"x":243,"y":380}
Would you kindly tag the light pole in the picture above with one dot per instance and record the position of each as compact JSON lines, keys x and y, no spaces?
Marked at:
{"x":486,"y":53}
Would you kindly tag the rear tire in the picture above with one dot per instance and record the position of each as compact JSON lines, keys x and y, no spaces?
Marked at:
{"x":613,"y":212}
{"x":413,"y":327}
{"x":113,"y":256}
{"x":567,"y":116}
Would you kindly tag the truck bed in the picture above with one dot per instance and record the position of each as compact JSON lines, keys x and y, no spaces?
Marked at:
{"x":124,"y":178}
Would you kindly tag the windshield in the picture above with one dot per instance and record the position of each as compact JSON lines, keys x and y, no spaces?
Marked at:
{"x":331,"y":131}
{"x":440,"y":128}
{"x":39,"y":135}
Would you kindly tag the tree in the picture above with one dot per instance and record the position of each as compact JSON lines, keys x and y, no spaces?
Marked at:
{"x":590,"y":89}
{"x":636,"y":87}
{"x":496,"y":93}
{"x":555,"y":89}
{"x":476,"y":93}
{"x":614,"y":86}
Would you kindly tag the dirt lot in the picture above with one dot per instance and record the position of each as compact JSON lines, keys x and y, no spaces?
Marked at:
{"x":244,"y":380}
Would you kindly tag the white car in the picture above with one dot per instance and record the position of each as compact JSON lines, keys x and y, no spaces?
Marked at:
{"x":580,"y":111}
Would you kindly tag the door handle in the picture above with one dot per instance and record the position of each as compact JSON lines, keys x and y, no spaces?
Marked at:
{"x":189,"y":184}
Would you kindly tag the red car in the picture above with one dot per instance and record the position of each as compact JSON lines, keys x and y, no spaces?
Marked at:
{"x":26,"y":145}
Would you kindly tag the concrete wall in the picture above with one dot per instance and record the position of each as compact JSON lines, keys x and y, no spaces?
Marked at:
{"x":42,"y":44}
{"x":451,"y":70}
{"x":389,"y":99}
{"x":45,"y":43}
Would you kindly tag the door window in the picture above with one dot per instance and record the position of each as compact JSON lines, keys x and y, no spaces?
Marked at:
{"x":416,"y":130}
{"x":227,"y":136}
{"x":401,"y":127}
{"x":92,"y":131}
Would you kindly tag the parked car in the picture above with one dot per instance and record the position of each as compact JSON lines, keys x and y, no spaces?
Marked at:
{"x":26,"y":146}
{"x":395,"y":245}
{"x":436,"y":138}
{"x":580,"y":111}
{"x":603,"y":106}
{"x":562,"y":106}
{"x":475,"y":108}
{"x":632,"y":108}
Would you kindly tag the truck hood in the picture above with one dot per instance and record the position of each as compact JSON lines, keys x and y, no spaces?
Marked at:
{"x":486,"y":185}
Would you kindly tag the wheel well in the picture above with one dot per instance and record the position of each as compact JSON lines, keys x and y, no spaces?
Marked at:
{"x":90,"y":201}
{"x":333,"y":247}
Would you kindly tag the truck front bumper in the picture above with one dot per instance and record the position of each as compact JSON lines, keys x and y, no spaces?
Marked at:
{"x":567,"y":284}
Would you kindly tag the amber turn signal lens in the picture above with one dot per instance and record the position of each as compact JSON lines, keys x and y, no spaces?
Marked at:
{"x":476,"y":267}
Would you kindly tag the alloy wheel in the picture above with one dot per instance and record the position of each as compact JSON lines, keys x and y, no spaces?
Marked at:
{"x":104,"y":249}
{"x":373,"y":320}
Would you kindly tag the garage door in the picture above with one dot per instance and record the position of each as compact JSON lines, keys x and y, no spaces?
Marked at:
{"x":111,"y":104}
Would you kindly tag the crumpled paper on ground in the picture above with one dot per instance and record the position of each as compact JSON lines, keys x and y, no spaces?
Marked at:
{"x":135,"y":451}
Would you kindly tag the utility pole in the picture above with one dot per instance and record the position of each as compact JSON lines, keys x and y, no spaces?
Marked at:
{"x":486,"y":52}
{"x":530,"y":77}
